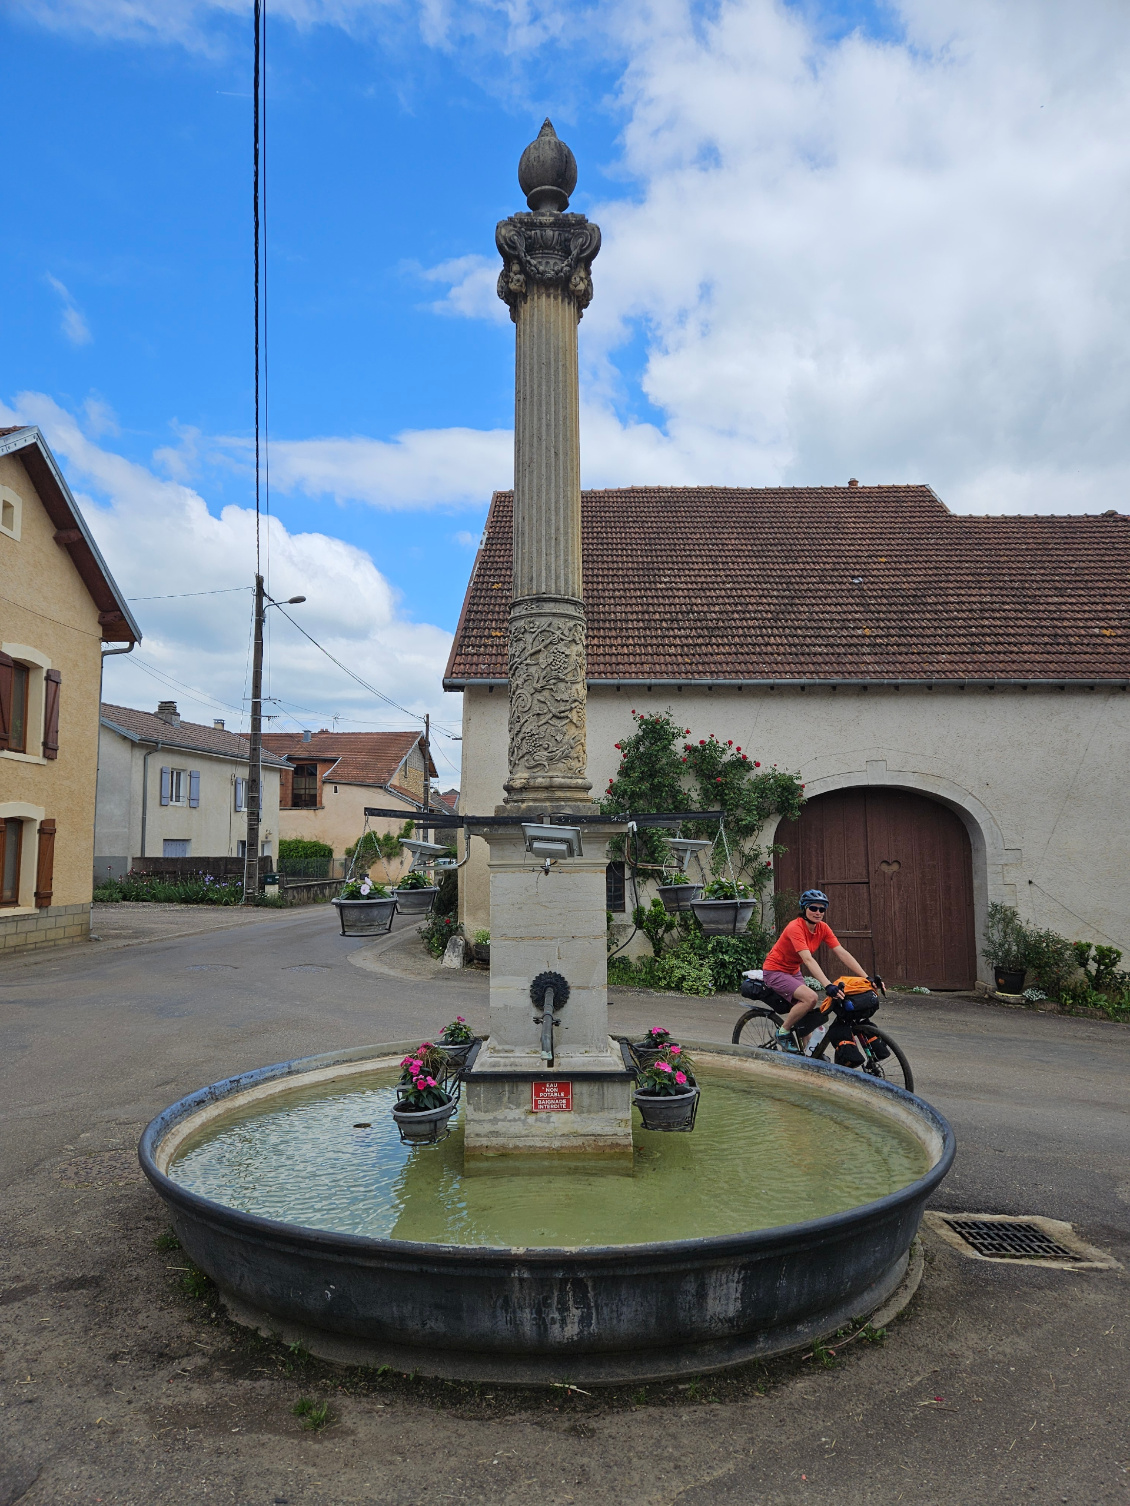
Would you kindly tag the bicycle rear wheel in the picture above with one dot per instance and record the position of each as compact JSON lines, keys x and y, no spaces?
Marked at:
{"x":895,"y":1068}
{"x":757,"y":1027}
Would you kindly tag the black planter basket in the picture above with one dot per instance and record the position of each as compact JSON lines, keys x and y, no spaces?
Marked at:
{"x":365,"y":917}
{"x":679,"y":897}
{"x":1009,"y":980}
{"x":668,"y":1113}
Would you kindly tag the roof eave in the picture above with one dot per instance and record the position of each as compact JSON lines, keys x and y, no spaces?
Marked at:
{"x":837,"y":682}
{"x":125,"y":631}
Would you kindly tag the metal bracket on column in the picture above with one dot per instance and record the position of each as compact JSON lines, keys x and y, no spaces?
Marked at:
{"x":549,"y":992}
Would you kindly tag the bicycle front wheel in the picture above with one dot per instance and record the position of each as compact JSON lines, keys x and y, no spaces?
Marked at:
{"x":895,"y":1068}
{"x":757,"y":1027}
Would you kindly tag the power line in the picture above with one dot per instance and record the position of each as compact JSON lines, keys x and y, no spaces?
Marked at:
{"x":353,"y":675}
{"x":172,"y":683}
{"x":255,"y":236}
{"x":177,"y":595}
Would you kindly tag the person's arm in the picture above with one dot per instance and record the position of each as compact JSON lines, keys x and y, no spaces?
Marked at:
{"x":811,"y":966}
{"x":849,"y":962}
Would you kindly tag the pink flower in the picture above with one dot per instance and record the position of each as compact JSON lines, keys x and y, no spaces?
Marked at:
{"x":675,"y":1050}
{"x":663,"y":1066}
{"x":431,"y":1082}
{"x":680,"y":1078}
{"x":461,"y":1020}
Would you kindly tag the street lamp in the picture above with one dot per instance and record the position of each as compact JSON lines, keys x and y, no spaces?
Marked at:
{"x":255,"y":752}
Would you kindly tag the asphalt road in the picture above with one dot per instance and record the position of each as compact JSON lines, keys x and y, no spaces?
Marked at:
{"x":999,"y":1383}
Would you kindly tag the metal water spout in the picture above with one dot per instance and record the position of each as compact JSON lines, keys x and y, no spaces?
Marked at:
{"x":550,"y":992}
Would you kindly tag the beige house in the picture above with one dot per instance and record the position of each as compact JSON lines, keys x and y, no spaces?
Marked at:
{"x":168,"y":788}
{"x":953,"y":691}
{"x":58,"y":606}
{"x":332,"y":776}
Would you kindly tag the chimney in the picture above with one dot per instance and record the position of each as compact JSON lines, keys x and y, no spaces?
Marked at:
{"x":306,"y":734}
{"x":218,"y":723}
{"x":853,"y":482}
{"x":167,"y":711}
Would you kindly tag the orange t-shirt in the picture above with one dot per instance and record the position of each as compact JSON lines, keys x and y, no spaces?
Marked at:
{"x":785,"y":955}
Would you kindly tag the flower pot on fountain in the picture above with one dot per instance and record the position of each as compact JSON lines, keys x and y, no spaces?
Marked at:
{"x":726,"y":909}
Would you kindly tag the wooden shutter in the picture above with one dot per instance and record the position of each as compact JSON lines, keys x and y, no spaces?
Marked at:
{"x":45,"y":864}
{"x":194,"y":788}
{"x":7,"y":676}
{"x":166,"y":785}
{"x":51,"y":685}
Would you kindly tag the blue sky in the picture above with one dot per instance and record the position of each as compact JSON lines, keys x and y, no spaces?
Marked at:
{"x":838,"y":239}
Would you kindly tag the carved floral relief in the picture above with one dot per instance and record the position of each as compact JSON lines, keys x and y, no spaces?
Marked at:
{"x":547,"y":697}
{"x":555,"y":249}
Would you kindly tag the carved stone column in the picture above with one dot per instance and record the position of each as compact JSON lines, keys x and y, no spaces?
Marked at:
{"x":546,"y":281}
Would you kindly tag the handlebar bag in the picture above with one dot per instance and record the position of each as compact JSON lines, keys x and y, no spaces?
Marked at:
{"x":860,"y":1000}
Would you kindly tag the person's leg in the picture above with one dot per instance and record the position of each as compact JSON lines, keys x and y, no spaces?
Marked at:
{"x":803,"y":1000}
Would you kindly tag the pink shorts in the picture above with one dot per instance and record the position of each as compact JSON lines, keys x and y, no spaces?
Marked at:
{"x":785,"y":984}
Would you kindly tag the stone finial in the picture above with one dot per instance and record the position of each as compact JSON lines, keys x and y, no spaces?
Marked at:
{"x":547,"y":245}
{"x":547,"y":171}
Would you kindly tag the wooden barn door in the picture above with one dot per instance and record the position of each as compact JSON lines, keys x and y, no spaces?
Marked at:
{"x":898,"y":869}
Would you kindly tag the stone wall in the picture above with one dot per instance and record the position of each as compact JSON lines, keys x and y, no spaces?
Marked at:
{"x":1037,"y":777}
{"x":30,"y":933}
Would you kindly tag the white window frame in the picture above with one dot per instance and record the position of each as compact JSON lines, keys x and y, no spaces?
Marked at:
{"x":178,"y":786}
{"x":11,"y":526}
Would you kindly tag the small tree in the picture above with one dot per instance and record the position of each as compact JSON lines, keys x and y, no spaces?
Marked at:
{"x":374,"y":844}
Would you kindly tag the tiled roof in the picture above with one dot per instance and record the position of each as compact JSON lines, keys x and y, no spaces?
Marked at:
{"x":450,"y":798}
{"x":361,"y":757}
{"x":821,"y":583}
{"x":192,"y":736}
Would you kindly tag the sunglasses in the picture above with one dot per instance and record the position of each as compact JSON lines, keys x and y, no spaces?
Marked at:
{"x":822,"y":909}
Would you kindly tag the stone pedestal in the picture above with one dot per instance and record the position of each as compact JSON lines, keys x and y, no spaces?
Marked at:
{"x":548,"y":922}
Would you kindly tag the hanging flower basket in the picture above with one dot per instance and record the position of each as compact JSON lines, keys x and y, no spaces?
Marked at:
{"x":365,"y":917}
{"x":424,"y":1126}
{"x":415,"y":901}
{"x":678,"y":897}
{"x":667,"y":1111}
{"x":723,"y":917}
{"x":458,"y":1041}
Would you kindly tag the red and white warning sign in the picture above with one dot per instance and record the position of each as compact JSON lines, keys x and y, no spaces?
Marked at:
{"x":552,"y":1097}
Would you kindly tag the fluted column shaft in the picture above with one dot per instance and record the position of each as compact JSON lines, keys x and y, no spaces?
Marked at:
{"x":546,"y":282}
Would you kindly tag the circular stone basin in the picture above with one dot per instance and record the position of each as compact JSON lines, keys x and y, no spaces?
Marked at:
{"x":787,"y":1213}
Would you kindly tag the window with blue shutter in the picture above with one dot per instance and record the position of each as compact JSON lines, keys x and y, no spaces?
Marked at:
{"x":240,"y":793}
{"x":165,"y":782}
{"x":194,"y":788}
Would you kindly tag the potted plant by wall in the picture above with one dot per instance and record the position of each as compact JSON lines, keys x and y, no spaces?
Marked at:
{"x":725,"y":908}
{"x":481,"y":946}
{"x":677,"y":892}
{"x":424,"y":1104}
{"x":1005,"y":948}
{"x":457,"y":1040}
{"x":365,"y":908}
{"x":415,"y":893}
{"x":651,"y":1048}
{"x":667,"y":1095}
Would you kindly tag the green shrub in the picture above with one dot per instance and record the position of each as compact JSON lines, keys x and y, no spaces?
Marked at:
{"x":438,"y":930}
{"x":303,"y":856}
{"x":193,"y":889}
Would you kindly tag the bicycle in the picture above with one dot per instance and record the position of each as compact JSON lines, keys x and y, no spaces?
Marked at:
{"x":842,"y":1024}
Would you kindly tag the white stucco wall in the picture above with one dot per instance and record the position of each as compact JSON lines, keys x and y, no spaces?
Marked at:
{"x":1037,"y":776}
{"x":213,"y":829}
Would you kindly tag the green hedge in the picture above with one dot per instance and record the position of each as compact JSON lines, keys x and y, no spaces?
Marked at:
{"x":301,"y":855}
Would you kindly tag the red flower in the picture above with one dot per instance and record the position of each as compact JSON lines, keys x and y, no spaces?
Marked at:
{"x":718,"y":780}
{"x":615,"y":745}
{"x":769,"y":865}
{"x":756,"y":764}
{"x":744,"y":759}
{"x":702,"y":742}
{"x":688,"y":732}
{"x":683,"y":759}
{"x":730,"y":742}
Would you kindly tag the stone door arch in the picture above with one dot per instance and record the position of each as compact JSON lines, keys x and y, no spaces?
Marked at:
{"x":898,"y":869}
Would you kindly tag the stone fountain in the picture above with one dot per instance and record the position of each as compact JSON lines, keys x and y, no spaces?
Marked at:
{"x":789,"y":1212}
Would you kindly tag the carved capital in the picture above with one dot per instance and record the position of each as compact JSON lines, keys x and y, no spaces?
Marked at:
{"x":554,"y":249}
{"x":547,"y":698}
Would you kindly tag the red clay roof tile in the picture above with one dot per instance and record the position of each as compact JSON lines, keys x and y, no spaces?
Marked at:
{"x":821,"y":583}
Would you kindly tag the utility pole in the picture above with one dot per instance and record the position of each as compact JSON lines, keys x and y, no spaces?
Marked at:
{"x":255,"y":761}
{"x":427,"y":831}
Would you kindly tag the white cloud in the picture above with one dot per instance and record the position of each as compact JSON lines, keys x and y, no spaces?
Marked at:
{"x":472,"y":288}
{"x":73,"y":323}
{"x":159,"y":538}
{"x":418,"y":469}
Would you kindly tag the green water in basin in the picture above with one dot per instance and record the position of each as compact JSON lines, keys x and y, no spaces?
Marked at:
{"x":762,"y":1153}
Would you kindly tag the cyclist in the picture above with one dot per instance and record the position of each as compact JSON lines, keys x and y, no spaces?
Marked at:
{"x":793,"y":951}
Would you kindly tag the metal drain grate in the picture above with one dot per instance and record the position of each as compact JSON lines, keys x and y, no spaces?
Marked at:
{"x":1010,"y":1241}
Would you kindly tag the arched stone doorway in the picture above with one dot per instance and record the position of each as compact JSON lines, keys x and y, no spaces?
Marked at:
{"x":898,"y":869}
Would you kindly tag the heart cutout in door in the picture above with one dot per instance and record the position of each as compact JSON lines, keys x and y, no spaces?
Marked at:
{"x":889,"y":866}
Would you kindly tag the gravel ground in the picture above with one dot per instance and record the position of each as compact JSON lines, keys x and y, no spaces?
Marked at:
{"x":121,"y":1384}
